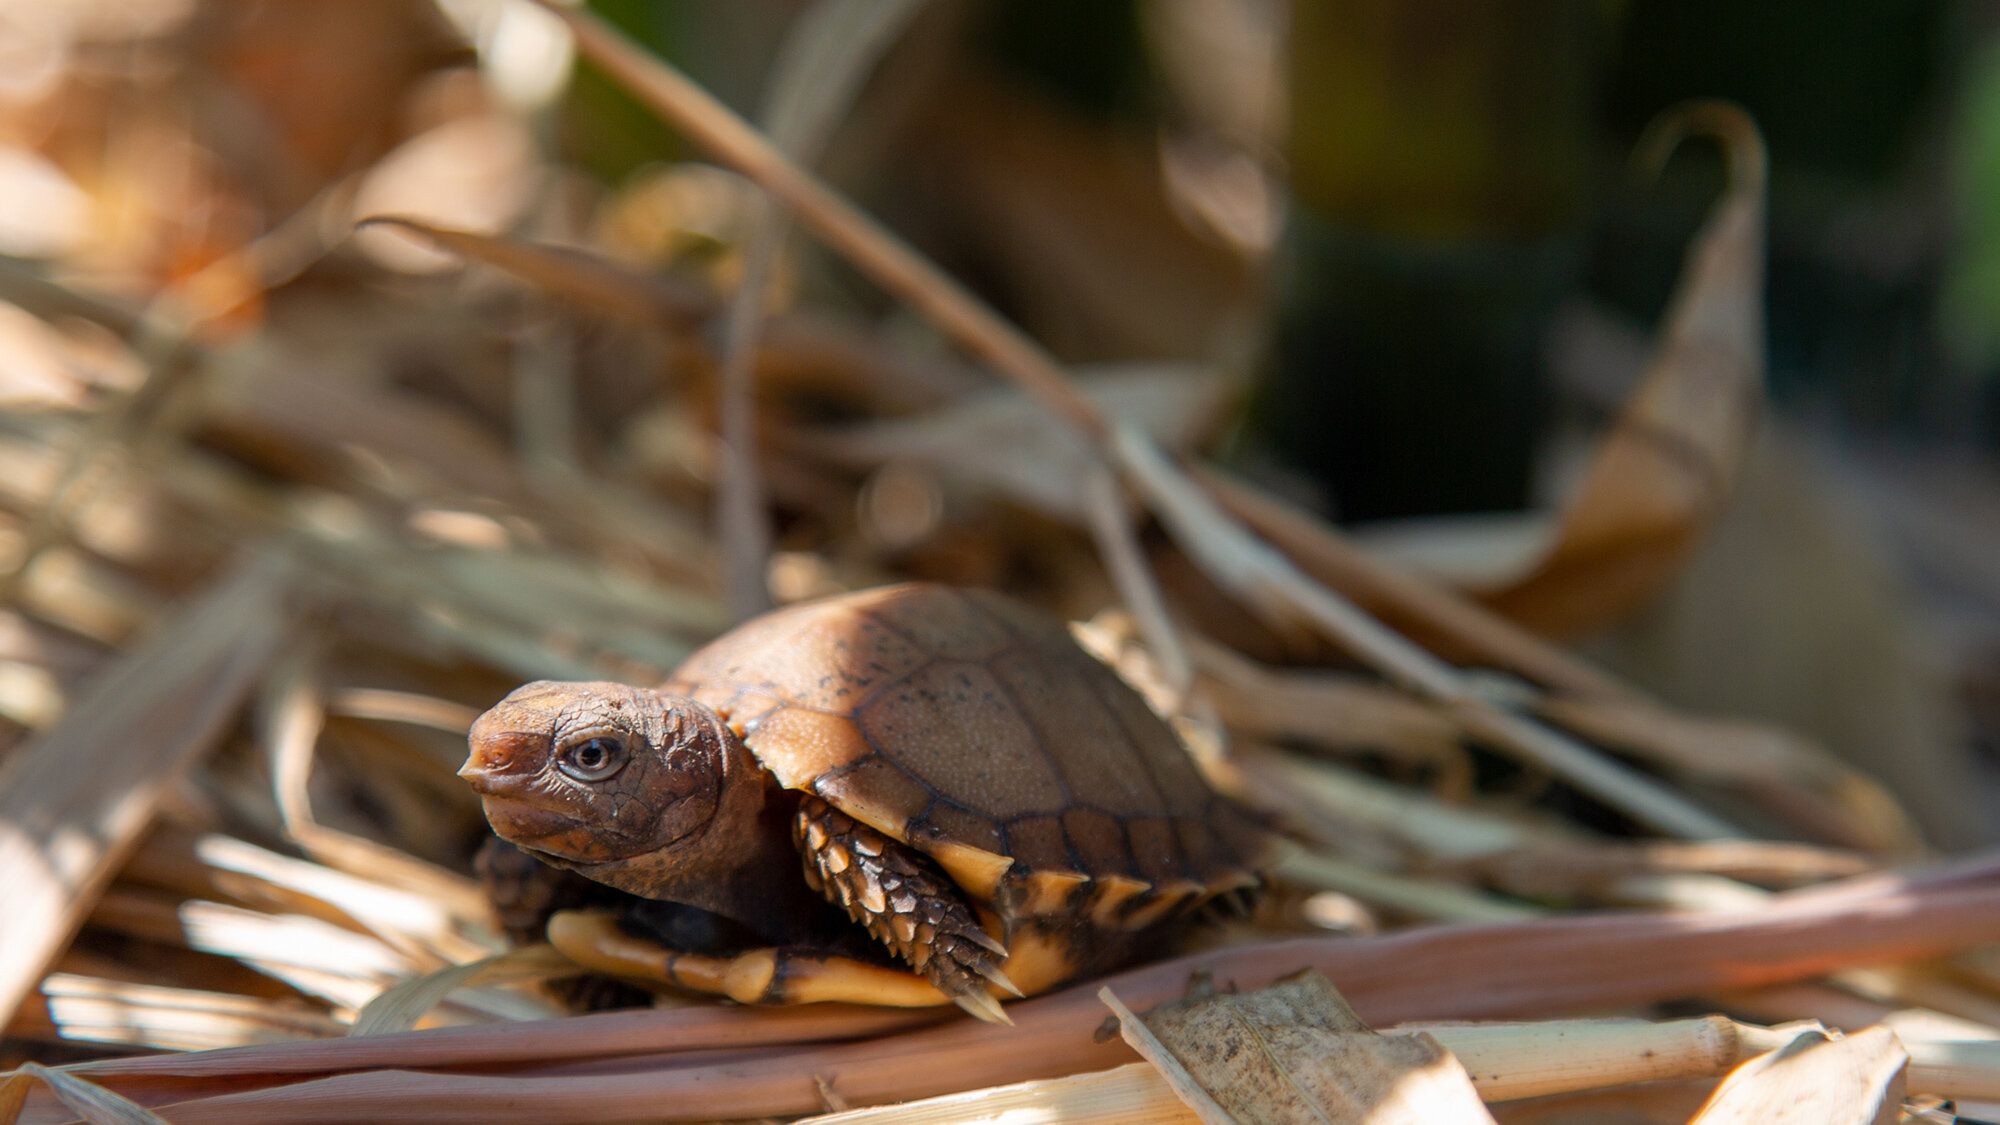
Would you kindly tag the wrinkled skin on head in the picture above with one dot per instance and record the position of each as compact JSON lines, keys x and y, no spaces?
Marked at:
{"x":623,"y":784}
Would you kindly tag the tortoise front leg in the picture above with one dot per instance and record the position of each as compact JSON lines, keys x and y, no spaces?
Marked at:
{"x":899,"y":896}
{"x":593,"y":939}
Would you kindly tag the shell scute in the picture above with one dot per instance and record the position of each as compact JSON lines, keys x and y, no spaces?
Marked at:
{"x":1038,"y":843}
{"x":1066,"y":713}
{"x":1154,"y":848}
{"x":956,"y":626}
{"x":949,"y":822}
{"x":876,"y":792}
{"x":824,"y":662}
{"x":954,"y":725}
{"x":817,"y":744}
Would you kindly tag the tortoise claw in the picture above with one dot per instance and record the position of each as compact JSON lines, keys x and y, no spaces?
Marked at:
{"x":993,"y":973}
{"x":979,"y":937}
{"x":983,"y":1007}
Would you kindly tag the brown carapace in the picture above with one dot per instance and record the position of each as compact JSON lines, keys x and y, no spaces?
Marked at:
{"x":991,"y":805}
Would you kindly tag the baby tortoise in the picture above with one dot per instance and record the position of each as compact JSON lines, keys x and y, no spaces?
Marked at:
{"x":946,"y":766}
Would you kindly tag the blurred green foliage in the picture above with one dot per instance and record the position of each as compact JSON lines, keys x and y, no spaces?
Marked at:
{"x":1972,"y":298}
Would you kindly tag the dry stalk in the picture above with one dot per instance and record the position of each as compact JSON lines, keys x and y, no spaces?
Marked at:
{"x":1508,"y":1062}
{"x":1478,"y":972}
{"x":819,"y":69}
{"x":74,"y":801}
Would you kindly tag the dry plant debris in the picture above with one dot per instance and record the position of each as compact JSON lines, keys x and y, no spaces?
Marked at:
{"x":1295,"y":1052}
{"x":274,"y":527}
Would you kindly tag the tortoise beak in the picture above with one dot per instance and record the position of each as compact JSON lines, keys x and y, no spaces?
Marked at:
{"x":487,"y":776}
{"x":502,"y":760}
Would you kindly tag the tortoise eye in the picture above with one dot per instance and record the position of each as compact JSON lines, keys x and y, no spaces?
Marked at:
{"x":593,"y":759}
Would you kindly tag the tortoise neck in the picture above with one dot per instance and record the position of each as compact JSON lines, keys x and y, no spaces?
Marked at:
{"x":746,"y":867}
{"x":765,"y":889}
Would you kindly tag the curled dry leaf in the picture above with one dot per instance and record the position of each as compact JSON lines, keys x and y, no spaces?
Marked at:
{"x":1665,"y":470}
{"x":1296,"y":1052}
{"x":1853,"y":1080}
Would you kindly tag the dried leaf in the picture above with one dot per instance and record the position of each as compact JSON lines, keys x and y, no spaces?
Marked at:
{"x":1296,"y":1052}
{"x":1776,"y":766}
{"x":1430,"y":900}
{"x":1665,"y":470}
{"x":1853,"y":1080}
{"x":1443,"y":620}
{"x":1548,"y":868}
{"x":1268,"y":582}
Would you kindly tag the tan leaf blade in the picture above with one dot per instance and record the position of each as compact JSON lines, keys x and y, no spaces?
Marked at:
{"x":91,"y":1102}
{"x":169,"y":1018}
{"x":1854,"y":1080}
{"x":74,"y":801}
{"x":1296,"y":1052}
{"x":1666,"y":468}
{"x":399,"y":1008}
{"x":582,"y":279}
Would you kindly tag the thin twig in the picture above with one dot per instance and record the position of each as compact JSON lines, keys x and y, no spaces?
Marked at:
{"x":1110,"y":523}
{"x":819,"y":69}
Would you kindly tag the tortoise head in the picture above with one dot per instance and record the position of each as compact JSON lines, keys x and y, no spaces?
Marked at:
{"x":602,"y":778}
